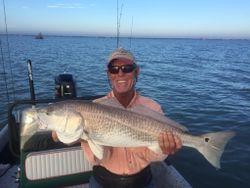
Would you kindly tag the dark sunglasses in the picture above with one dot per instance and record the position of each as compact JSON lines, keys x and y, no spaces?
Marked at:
{"x":124,"y":68}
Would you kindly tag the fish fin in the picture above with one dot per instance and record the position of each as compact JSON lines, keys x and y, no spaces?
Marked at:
{"x":155,"y":148}
{"x":213,"y":146}
{"x":109,"y":102}
{"x":97,"y":149}
{"x":141,"y":109}
{"x":84,"y":135}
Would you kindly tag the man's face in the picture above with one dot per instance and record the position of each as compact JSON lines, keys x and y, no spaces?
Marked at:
{"x":123,"y":81}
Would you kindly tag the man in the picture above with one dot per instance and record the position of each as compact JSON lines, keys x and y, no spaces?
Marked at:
{"x":127,"y":167}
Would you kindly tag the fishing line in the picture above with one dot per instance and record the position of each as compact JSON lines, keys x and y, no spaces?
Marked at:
{"x":8,"y":48}
{"x":3,"y":63}
{"x":4,"y":73}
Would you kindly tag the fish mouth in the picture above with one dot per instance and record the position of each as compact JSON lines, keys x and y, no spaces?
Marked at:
{"x":30,"y":117}
{"x":41,"y":122}
{"x":40,"y":117}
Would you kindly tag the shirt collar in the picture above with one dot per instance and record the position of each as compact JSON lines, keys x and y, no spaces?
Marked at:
{"x":132,"y":102}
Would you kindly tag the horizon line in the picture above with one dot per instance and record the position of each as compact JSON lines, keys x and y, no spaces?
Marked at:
{"x":135,"y":37}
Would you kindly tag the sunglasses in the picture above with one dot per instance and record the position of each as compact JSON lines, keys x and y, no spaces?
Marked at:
{"x":124,"y":68}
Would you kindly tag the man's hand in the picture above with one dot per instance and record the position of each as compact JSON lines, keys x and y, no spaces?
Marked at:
{"x":54,"y":136}
{"x":169,"y":143}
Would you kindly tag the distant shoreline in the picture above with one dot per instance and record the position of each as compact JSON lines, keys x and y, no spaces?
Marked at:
{"x":126,"y":37}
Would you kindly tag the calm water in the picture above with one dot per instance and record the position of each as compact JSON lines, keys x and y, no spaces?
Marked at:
{"x":203,"y":84}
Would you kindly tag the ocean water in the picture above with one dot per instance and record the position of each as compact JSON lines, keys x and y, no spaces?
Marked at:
{"x":202,"y":84}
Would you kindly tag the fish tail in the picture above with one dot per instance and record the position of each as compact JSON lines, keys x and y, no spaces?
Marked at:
{"x":213,"y":146}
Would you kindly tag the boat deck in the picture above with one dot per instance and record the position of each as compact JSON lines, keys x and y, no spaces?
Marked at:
{"x":8,"y":175}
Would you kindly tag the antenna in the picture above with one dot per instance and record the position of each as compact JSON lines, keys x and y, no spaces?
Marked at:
{"x":119,"y":15}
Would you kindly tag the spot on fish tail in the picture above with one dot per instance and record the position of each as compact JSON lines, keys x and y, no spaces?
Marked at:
{"x":207,"y":139}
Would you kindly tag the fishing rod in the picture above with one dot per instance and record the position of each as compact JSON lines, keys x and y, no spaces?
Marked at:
{"x":118,"y":17}
{"x":31,"y":83}
{"x":131,"y":32}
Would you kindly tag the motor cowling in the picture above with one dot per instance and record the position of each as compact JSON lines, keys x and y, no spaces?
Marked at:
{"x":65,"y":86}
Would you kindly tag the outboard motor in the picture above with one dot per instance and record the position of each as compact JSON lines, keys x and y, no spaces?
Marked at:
{"x":65,"y":86}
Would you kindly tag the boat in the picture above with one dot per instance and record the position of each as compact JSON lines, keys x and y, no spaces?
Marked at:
{"x":39,"y":36}
{"x":41,"y":162}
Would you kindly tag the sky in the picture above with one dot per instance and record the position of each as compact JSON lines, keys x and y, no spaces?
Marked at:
{"x":138,"y":18}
